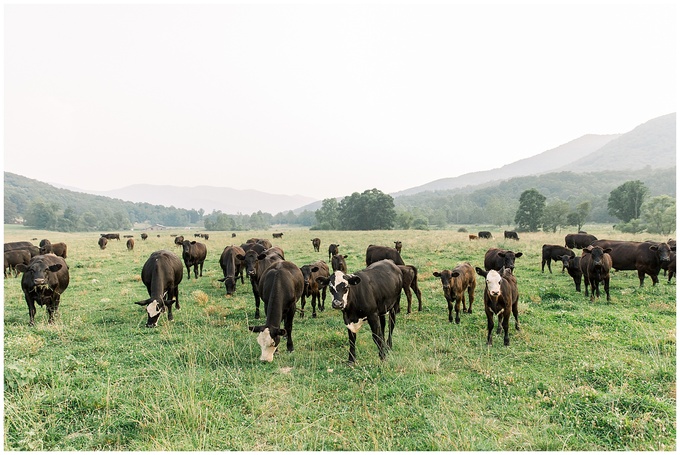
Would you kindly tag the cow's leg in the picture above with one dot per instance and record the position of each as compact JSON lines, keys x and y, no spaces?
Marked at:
{"x":515,"y":313}
{"x":169,"y":308}
{"x":256,"y":294}
{"x":315,"y":298}
{"x":489,"y":327}
{"x":377,"y":324}
{"x":188,"y":272}
{"x":175,"y":295}
{"x":506,"y":323}
{"x":542,"y":265}
{"x":52,"y":307}
{"x":303,"y":302}
{"x":500,"y":322}
{"x":31,"y":310}
{"x":449,"y":303}
{"x":549,"y":267}
{"x":655,"y":279}
{"x":392,"y":322}
{"x":471,"y":298}
{"x":458,"y":309}
{"x":577,"y":282}
{"x":641,"y":276}
{"x":419,"y":295}
{"x":322,"y":305}
{"x":352,"y":347}
{"x":288,"y":325}
{"x":407,"y":291}
{"x":201,"y":266}
{"x":196,"y":270}
{"x":606,"y":288}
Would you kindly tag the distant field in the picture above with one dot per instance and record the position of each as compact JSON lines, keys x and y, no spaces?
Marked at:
{"x":580,"y":376}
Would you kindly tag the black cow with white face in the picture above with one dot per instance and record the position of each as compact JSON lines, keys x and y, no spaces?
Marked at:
{"x":161,"y":274}
{"x":44,"y":279}
{"x":367,"y":296}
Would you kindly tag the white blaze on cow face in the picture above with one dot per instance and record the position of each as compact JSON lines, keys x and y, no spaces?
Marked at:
{"x":355,"y":326}
{"x":493,"y":284}
{"x":154,"y":308}
{"x":267,"y":344}
{"x":339,"y":288}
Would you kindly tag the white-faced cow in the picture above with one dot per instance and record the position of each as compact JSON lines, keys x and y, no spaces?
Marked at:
{"x":454,"y":284}
{"x":44,"y":279}
{"x":645,"y":257}
{"x":496,"y":259}
{"x":554,"y":253}
{"x":312,"y":288}
{"x":281,"y":285}
{"x":367,"y":296}
{"x":595,"y":266}
{"x":193,"y":254}
{"x":255,"y":264}
{"x":501,"y":298}
{"x":161,"y":274}
{"x":232,"y":267}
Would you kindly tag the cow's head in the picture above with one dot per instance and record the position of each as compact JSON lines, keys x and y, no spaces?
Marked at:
{"x":229,"y":284}
{"x":154,"y":308}
{"x":268,"y":339}
{"x":663,"y":252}
{"x":445,"y":277}
{"x":250,"y":261}
{"x":307,"y":271}
{"x":338,"y":262}
{"x":38,"y":272}
{"x":509,"y":258}
{"x":339,"y":285}
{"x":597,"y":254}
{"x":493,"y":282}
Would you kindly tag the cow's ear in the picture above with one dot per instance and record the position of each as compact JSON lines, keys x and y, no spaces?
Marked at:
{"x":437,"y":274}
{"x":345,"y":256}
{"x":607,"y":250}
{"x":586,"y":250}
{"x":20,"y":268}
{"x":257,"y":328}
{"x":144,"y":302}
{"x":323,"y":280}
{"x":481,"y":272}
{"x":261,"y":256}
{"x":315,"y":269}
{"x":222,"y":279}
{"x":240,"y":257}
{"x":518,"y":255}
{"x":54,"y":267}
{"x":353,"y":279}
{"x":193,"y":242}
{"x":654,"y":247}
{"x":456,"y":273}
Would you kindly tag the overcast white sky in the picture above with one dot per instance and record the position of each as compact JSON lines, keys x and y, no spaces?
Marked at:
{"x":321,"y":99}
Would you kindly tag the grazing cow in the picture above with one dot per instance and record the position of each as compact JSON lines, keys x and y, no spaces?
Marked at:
{"x":573,"y":266}
{"x":397,"y":246}
{"x":255,"y":264}
{"x":206,"y":236}
{"x":193,"y":254}
{"x":338,"y":263}
{"x":17,"y":246}
{"x":144,"y":236}
{"x":318,"y":293}
{"x":645,"y":257}
{"x":14,"y":258}
{"x":232,"y":267}
{"x":554,"y":253}
{"x":264,"y":242}
{"x":130,"y":244}
{"x":281,"y":285}
{"x":102,"y":242}
{"x":277,"y":235}
{"x":332,"y":249}
{"x":45,"y":278}
{"x":375,"y":253}
{"x":484,"y":235}
{"x":580,"y":240}
{"x":595,"y":266}
{"x":367,"y":295}
{"x":472,"y":237}
{"x":316,"y":243}
{"x":257,"y":247}
{"x":512,"y":235}
{"x":233,"y":234}
{"x":409,"y":280}
{"x":179,"y":240}
{"x":496,"y":259}
{"x":161,"y":274}
{"x":197,"y":235}
{"x":47,"y":247}
{"x":111,"y":236}
{"x":128,"y":236}
{"x":454,"y":283}
{"x":500,"y":297}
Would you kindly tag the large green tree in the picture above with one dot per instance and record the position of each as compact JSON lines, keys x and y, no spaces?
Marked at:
{"x":658,"y":213}
{"x":369,"y":210}
{"x":555,"y":215}
{"x":327,"y":215}
{"x":626,"y":200}
{"x":578,"y":217}
{"x":530,"y":212}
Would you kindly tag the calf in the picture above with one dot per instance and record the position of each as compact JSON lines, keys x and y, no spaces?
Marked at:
{"x":332,"y":250}
{"x":573,"y":266}
{"x":580,"y":240}
{"x":554,"y":253}
{"x":595,"y":266}
{"x":409,"y":280}
{"x":512,"y":235}
{"x":144,"y":236}
{"x":193,"y":254}
{"x":130,"y":244}
{"x":454,"y":284}
{"x":102,"y":242}
{"x":484,"y":235}
{"x":375,"y":253}
{"x":232,"y":267}
{"x":161,"y":274}
{"x":14,"y":258}
{"x":501,"y":297}
{"x":316,"y":243}
{"x":338,"y":263}
{"x":281,"y":285}
{"x":44,"y":279}
{"x":397,"y":246}
{"x":496,"y":259}
{"x":318,"y":293}
{"x":367,"y":295}
{"x":472,"y":237}
{"x":277,"y":235}
{"x":645,"y":257}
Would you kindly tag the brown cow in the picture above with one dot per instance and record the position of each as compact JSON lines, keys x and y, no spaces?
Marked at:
{"x":595,"y":266}
{"x":645,"y":257}
{"x":338,"y":263}
{"x":312,"y":288}
{"x":454,"y":283}
{"x":332,"y":250}
{"x":277,"y":235}
{"x":193,"y":254}
{"x":580,"y":240}
{"x":397,"y":246}
{"x":316,"y":243}
{"x":472,"y":237}
{"x":102,"y":242}
{"x":130,"y":244}
{"x":14,"y":258}
{"x":501,"y":297}
{"x":409,"y":277}
{"x":144,"y":236}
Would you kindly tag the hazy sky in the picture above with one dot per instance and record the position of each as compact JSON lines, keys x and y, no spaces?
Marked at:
{"x":321,"y":99}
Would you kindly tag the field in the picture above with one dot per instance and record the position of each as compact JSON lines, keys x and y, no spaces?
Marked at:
{"x":578,"y":376}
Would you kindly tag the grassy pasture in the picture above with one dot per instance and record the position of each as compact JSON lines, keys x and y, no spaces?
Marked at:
{"x":579,"y":376}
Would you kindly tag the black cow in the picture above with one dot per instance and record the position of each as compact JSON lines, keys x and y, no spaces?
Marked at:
{"x":454,"y":284}
{"x":580,"y":240}
{"x":645,"y":257}
{"x":595,"y":266}
{"x":17,"y":245}
{"x":193,"y":254}
{"x":338,"y":263}
{"x":671,"y":267}
{"x":409,"y":280}
{"x":554,"y":253}
{"x":496,"y":259}
{"x":501,"y":297}
{"x":232,"y":267}
{"x":484,"y":235}
{"x":161,"y":274}
{"x":128,"y":236}
{"x":398,"y":245}
{"x":281,"y":285}
{"x":277,"y":235}
{"x":58,"y":249}
{"x":312,"y":289}
{"x":14,"y":258}
{"x":144,"y":236}
{"x":45,"y":278}
{"x":512,"y":235}
{"x":573,"y":266}
{"x":316,"y":243}
{"x":102,"y":242}
{"x":111,"y":236}
{"x":332,"y":250}
{"x":130,"y":244}
{"x":375,"y":253}
{"x":255,"y":264}
{"x":367,"y":295}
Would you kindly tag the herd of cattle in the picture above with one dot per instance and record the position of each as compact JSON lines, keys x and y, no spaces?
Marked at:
{"x":367,"y":296}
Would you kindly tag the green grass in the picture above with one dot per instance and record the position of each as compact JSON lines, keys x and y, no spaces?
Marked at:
{"x":579,"y":376}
